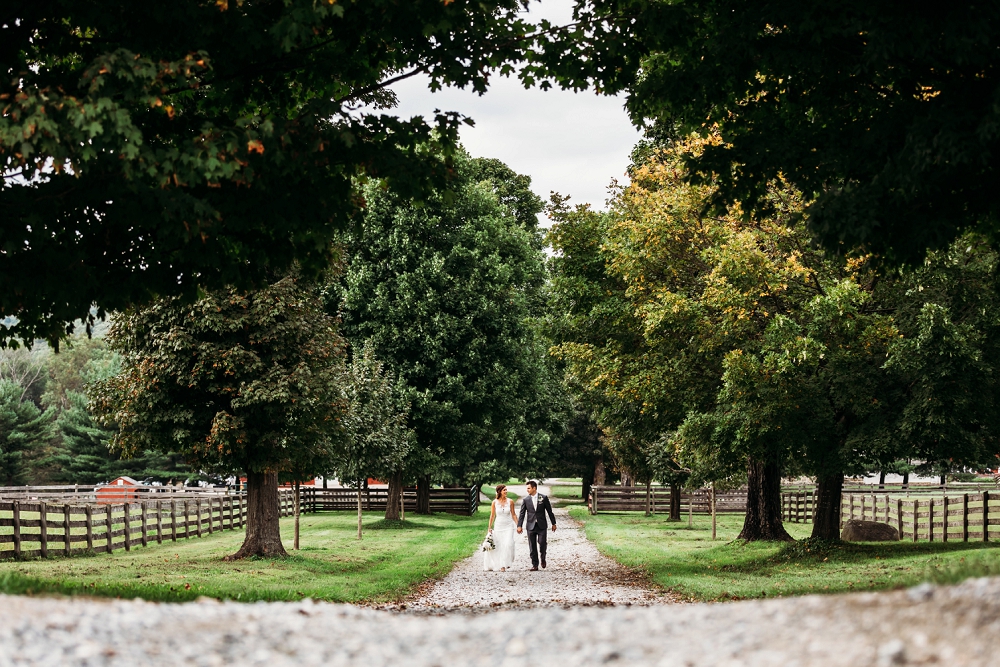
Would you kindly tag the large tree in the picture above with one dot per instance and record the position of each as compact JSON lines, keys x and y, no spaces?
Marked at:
{"x":238,"y":382}
{"x":882,"y":115}
{"x":149,"y":151}
{"x":671,"y":322}
{"x":442,"y":293}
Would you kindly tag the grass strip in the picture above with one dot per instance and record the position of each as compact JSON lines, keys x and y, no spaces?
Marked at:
{"x":686,"y":561}
{"x":391,"y":560}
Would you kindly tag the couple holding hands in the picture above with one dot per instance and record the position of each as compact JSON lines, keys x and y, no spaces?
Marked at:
{"x":502,"y":525}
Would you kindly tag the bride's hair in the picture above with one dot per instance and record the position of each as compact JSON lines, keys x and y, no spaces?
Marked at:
{"x":500,"y":489}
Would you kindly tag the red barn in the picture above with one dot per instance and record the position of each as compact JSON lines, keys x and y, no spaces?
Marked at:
{"x":121,"y":490}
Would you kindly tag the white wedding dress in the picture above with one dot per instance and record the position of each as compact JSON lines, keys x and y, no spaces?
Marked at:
{"x":503,"y":538}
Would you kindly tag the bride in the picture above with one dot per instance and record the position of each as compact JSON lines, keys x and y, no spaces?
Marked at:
{"x":501,"y":526}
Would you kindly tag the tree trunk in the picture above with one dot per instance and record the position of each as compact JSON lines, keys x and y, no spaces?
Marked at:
{"x":906,"y":478}
{"x":675,"y":502}
{"x":600,"y":475}
{"x":324,"y":482}
{"x":648,"y":497}
{"x":881,"y":480}
{"x":393,"y":502}
{"x":424,"y":495}
{"x":826,"y":522}
{"x":763,"y":519}
{"x":588,"y":481}
{"x":298,"y":506}
{"x":359,"y":510}
{"x":263,"y":536}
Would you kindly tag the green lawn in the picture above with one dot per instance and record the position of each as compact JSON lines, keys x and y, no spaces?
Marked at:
{"x":332,"y":564}
{"x":567,"y":493}
{"x":687,"y":561}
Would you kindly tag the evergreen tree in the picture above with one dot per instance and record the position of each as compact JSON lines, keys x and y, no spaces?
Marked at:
{"x":23,"y":428}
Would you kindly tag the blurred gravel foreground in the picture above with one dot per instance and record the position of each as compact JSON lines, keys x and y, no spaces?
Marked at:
{"x":958,"y":625}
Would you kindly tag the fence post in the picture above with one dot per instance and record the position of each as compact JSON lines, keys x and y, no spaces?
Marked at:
{"x":593,"y":505}
{"x":965,"y":517}
{"x":66,"y":542}
{"x":107,"y":523}
{"x":128,"y":527}
{"x":197,"y":509}
{"x":930,"y":520}
{"x":159,"y":521}
{"x":986,"y":516}
{"x":90,"y":527}
{"x":916,"y":519}
{"x":16,"y":509}
{"x":713,"y":511}
{"x":43,"y":523}
{"x":211,"y":511}
{"x":145,"y":523}
{"x":241,"y":510}
{"x":173,"y":520}
{"x":944,"y":530}
{"x":852,"y":506}
{"x":899,"y":515}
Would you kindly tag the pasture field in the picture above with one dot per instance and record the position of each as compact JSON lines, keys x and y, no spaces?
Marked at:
{"x":687,"y":562}
{"x":332,"y":565}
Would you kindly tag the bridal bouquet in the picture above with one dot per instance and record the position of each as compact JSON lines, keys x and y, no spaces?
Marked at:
{"x":488,"y":544}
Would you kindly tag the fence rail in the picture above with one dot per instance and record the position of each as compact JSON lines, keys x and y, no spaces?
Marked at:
{"x":949,"y":517}
{"x":464,"y":501}
{"x":798,"y":506}
{"x":86,"y":493}
{"x":633,"y":499}
{"x":41,"y":528}
{"x":64,"y":521}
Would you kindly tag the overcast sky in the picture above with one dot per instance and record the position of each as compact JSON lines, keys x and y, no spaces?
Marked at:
{"x":572,"y":143}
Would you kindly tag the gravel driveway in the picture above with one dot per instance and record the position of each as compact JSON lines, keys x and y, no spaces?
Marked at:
{"x":577,"y":575}
{"x":924,"y":626}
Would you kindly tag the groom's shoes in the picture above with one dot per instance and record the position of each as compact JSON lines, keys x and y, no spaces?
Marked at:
{"x":534,"y":568}
{"x":543,"y":564}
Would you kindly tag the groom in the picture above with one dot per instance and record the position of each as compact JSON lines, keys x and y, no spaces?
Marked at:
{"x":534,"y":507}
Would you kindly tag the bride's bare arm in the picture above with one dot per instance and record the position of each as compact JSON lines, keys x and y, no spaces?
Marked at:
{"x":493,"y":515}
{"x":513,"y":516}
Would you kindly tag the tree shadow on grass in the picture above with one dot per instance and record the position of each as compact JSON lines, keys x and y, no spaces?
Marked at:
{"x":391,"y":524}
{"x":846,"y":552}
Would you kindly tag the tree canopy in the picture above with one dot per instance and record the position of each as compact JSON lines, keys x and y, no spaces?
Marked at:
{"x":734,"y":346}
{"x":883,"y":116}
{"x":151,"y":151}
{"x":237,"y":382}
{"x":442,"y":293}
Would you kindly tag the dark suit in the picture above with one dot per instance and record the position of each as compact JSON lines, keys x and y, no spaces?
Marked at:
{"x":537,"y":537}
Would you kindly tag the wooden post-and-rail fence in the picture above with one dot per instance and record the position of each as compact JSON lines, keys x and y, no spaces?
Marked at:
{"x":693,"y":501}
{"x":940,"y":517}
{"x":45,"y":528}
{"x":68,"y":520}
{"x":460,"y":500}
{"x":946,"y":518}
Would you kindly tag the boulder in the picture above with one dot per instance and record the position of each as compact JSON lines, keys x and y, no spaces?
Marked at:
{"x":857,"y":530}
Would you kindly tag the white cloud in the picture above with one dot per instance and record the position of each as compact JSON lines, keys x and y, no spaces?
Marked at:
{"x":572,"y":143}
